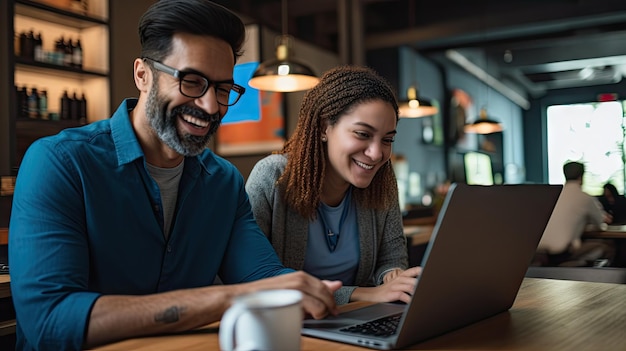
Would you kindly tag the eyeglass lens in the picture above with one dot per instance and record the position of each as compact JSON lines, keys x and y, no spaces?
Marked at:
{"x":194,"y":85}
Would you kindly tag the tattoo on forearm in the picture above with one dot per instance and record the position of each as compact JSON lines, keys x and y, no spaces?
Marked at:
{"x":170,"y":315}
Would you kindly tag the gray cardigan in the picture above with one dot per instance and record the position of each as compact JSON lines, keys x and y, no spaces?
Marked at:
{"x":381,"y":237}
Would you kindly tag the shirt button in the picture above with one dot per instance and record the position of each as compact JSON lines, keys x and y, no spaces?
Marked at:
{"x":169,"y":248}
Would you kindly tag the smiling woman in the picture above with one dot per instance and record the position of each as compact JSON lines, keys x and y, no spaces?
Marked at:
{"x":328,"y":200}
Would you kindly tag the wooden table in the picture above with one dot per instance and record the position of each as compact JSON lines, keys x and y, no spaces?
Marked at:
{"x":617,"y":233}
{"x":547,"y":315}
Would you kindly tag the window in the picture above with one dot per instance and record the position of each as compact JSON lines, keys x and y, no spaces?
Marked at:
{"x":592,"y":134}
{"x":478,"y":169}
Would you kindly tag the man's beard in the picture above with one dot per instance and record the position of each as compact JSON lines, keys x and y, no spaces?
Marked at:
{"x":163,"y":123}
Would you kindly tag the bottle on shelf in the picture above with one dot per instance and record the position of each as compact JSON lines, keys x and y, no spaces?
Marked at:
{"x":27,"y":47}
{"x":38,"y":48}
{"x":22,"y":102}
{"x":74,"y":107}
{"x":82,"y":114}
{"x":23,"y":40}
{"x":77,"y":58}
{"x":65,"y":105}
{"x":59,"y":51}
{"x":33,"y":103}
{"x":43,"y":104}
{"x":69,"y":53}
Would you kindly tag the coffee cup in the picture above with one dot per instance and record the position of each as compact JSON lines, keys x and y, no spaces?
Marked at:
{"x":264,"y":320}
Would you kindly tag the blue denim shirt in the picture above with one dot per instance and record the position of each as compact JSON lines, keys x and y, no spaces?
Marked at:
{"x":87,"y":220}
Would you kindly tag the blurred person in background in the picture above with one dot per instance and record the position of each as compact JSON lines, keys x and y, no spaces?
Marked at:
{"x":561,"y":243}
{"x":614,"y":204}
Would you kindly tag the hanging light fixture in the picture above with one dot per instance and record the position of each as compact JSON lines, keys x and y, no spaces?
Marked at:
{"x":416,"y":106}
{"x":283,"y":74}
{"x":483,"y":125}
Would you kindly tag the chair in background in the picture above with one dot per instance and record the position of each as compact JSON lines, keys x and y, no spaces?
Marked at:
{"x":590,"y":274}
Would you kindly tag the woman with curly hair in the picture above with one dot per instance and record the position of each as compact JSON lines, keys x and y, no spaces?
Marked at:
{"x":328,"y":201}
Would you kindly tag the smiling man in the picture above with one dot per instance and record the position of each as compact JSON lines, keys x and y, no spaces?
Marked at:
{"x":119,"y":228}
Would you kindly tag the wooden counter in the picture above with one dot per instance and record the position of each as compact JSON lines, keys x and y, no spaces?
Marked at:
{"x":420,"y":221}
{"x":4,"y":236}
{"x":418,"y":234}
{"x":611,"y":232}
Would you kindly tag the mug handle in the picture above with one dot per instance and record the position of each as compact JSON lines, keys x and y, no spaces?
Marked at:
{"x":227,"y":326}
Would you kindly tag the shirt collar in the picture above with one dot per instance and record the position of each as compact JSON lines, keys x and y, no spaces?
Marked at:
{"x":127,"y":146}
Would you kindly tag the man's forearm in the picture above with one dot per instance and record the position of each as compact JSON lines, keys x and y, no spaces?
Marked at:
{"x":117,"y":317}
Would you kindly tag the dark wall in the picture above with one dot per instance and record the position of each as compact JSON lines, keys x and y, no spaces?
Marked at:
{"x":125,"y":47}
{"x":5,"y":210}
{"x":6,"y":87}
{"x":535,"y":141}
{"x":387,"y":63}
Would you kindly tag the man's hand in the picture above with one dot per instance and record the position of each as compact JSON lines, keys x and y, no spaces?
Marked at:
{"x":317,"y":295}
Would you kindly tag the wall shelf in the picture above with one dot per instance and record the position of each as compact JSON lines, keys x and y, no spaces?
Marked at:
{"x":52,"y":21}
{"x":53,"y":14}
{"x":48,"y":68}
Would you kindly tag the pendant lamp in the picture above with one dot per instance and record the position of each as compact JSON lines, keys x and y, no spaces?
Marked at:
{"x":415,"y":106}
{"x":284,"y":74}
{"x":483,"y":125}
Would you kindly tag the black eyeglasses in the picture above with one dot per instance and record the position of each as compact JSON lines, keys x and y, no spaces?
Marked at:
{"x":195,"y":85}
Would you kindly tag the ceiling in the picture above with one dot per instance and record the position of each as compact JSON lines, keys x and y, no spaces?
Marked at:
{"x":532,"y":45}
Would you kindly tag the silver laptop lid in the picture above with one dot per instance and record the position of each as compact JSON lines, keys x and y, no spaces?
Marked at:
{"x":482,"y":244}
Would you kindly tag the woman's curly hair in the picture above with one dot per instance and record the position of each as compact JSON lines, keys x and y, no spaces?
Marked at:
{"x":340,"y":90}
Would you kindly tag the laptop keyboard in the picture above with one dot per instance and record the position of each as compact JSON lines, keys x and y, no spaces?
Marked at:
{"x":385,"y":326}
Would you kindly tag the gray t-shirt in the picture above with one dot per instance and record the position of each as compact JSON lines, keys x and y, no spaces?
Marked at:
{"x":167,"y":179}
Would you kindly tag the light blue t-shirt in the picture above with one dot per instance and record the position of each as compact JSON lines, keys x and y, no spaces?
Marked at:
{"x":342,"y":263}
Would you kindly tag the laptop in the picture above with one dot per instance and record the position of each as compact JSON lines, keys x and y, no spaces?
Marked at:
{"x":482,"y":244}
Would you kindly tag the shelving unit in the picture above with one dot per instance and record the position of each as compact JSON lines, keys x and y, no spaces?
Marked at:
{"x":55,"y":19}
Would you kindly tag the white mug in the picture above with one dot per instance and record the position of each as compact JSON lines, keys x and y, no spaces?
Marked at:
{"x":264,"y":320}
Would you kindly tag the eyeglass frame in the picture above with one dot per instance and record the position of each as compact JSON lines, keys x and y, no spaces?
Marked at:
{"x":180,"y":75}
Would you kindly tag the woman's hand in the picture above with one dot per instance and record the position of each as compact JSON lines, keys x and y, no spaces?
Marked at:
{"x":398,"y":286}
{"x":411,"y":272}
